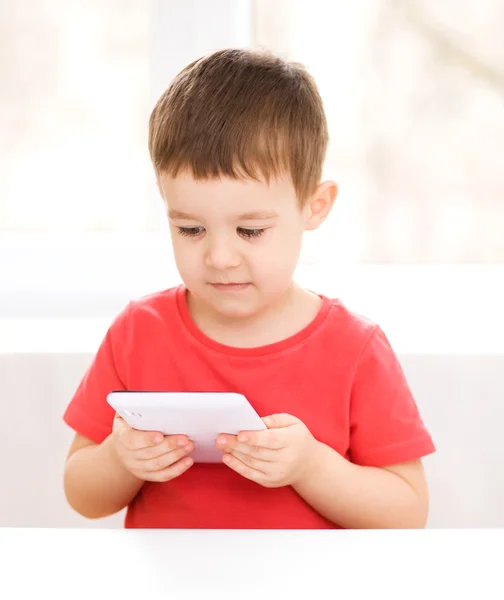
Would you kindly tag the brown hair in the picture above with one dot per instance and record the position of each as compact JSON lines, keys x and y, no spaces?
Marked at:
{"x":240,"y":113}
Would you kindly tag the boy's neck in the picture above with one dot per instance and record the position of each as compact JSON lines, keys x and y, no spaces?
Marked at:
{"x":292,"y":313}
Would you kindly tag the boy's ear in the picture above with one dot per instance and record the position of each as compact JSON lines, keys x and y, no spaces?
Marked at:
{"x":319,"y":204}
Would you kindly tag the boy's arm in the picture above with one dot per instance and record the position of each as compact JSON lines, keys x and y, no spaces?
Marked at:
{"x":95,"y":481}
{"x":100,"y":480}
{"x":358,"y":497}
{"x":348,"y":494}
{"x":385,"y":428}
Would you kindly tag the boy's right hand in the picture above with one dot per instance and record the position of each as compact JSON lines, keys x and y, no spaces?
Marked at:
{"x":150,"y":455}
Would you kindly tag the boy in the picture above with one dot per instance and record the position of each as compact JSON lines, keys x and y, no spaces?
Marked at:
{"x":238,"y":142}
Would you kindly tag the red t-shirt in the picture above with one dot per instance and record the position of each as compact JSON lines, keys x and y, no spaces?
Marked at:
{"x":339,"y":375}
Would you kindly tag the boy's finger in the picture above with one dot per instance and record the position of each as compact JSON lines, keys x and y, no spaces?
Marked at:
{"x":231,"y":443}
{"x":242,"y":469}
{"x":274,"y":439}
{"x":165,"y":460}
{"x":136,"y":440}
{"x":170,"y":443}
{"x":251,"y":462}
{"x":280,"y":420}
{"x":174,"y":470}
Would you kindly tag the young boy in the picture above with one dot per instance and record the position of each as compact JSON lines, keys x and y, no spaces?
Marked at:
{"x":238,"y":142}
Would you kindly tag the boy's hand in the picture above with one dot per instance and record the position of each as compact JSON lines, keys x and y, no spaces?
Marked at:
{"x":281,"y":455}
{"x":150,"y":455}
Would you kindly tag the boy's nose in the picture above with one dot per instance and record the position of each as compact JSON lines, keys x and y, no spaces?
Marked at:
{"x":221,"y":255}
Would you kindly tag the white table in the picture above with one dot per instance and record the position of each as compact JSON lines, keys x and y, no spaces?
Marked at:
{"x":121,"y":564}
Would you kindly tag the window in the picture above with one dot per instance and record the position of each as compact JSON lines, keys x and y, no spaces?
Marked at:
{"x":413,"y":92}
{"x":75,"y":104}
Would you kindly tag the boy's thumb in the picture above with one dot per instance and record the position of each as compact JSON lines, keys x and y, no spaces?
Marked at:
{"x":280,"y":420}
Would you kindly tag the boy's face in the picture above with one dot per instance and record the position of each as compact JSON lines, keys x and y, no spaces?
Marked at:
{"x":236,"y":243}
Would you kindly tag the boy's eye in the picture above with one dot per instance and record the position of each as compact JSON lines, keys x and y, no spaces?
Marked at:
{"x":250,"y":233}
{"x":190,"y":231}
{"x":196,"y":231}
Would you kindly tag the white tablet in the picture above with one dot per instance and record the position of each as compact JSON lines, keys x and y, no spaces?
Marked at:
{"x":202,"y":416}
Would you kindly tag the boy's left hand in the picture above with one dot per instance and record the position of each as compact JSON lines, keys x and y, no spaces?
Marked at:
{"x":281,"y":455}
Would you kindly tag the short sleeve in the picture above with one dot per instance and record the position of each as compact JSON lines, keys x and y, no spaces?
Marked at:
{"x":385,"y":424}
{"x":88,"y":412}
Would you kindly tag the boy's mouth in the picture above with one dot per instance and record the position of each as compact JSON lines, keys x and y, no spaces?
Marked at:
{"x":230,"y":287}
